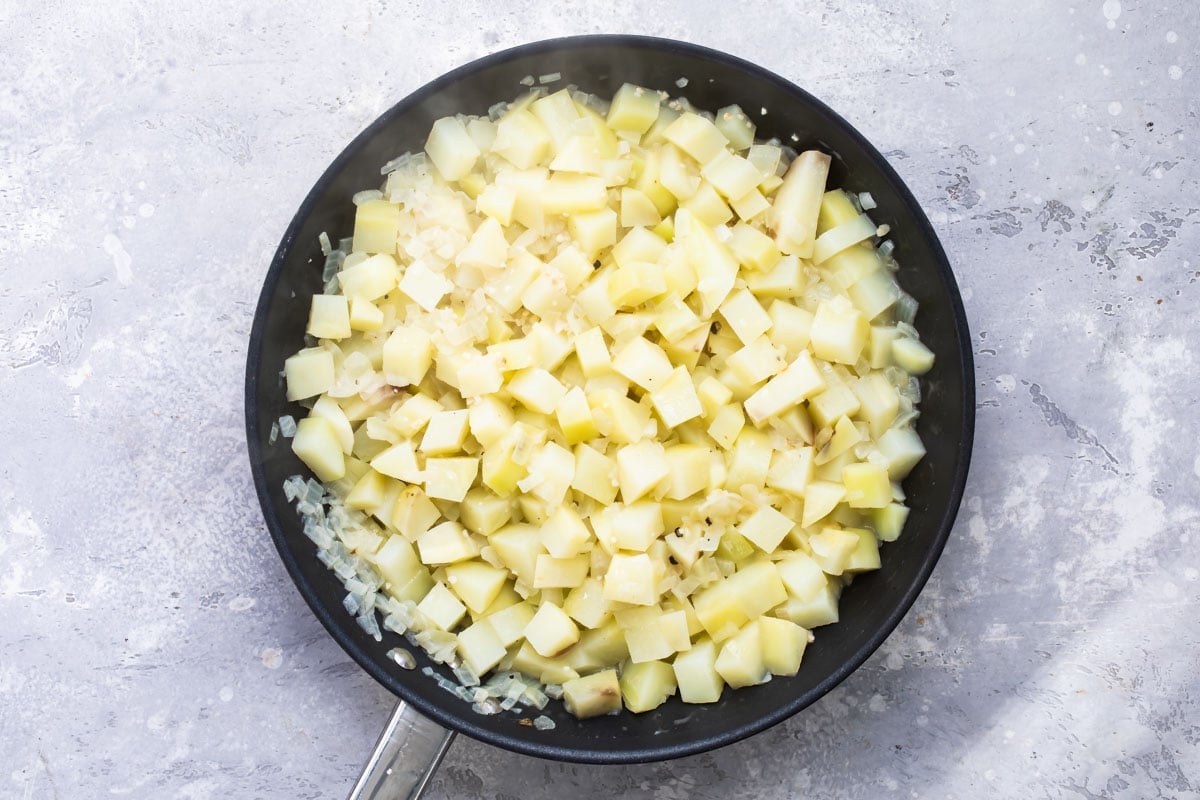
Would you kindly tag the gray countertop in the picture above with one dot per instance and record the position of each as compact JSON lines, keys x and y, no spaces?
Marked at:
{"x":152,"y":153}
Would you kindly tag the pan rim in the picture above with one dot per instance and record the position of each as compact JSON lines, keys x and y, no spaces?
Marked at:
{"x":550,"y":750}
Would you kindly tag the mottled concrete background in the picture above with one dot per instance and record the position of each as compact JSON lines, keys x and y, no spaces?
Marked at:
{"x":151,"y":154}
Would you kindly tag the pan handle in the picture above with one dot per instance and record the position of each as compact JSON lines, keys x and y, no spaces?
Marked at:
{"x":406,"y":755}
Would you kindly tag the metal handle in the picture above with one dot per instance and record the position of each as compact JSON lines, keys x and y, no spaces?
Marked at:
{"x":406,"y":755}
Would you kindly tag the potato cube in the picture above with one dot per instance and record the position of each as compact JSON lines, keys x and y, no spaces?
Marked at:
{"x":414,"y":414}
{"x":550,"y":472}
{"x":586,"y":604}
{"x":787,"y":279}
{"x":329,"y":317}
{"x":308,"y":373}
{"x":633,"y":109}
{"x":820,"y":498}
{"x":755,"y":363}
{"x":564,"y":534}
{"x":594,"y":695}
{"x":636,"y":282}
{"x":783,"y":644}
{"x":839,"y":332}
{"x":521,"y":139}
{"x":446,"y":543}
{"x":844,"y":436}
{"x":551,"y":632}
{"x":675,"y":400}
{"x":912,"y":356}
{"x":509,"y":623}
{"x":450,"y":478}
{"x":740,"y":661}
{"x":442,"y":608}
{"x":369,"y":492}
{"x":445,"y":433}
{"x":397,"y":563}
{"x":451,"y":148}
{"x":706,"y":206}
{"x":832,"y":548}
{"x":750,"y":206}
{"x":903,"y":449}
{"x":766,"y":527}
{"x":646,"y":686}
{"x":407,"y":356}
{"x":745,"y":316}
{"x":696,"y":673}
{"x":630,"y":579}
{"x":413,"y":513}
{"x":798,"y":202}
{"x":518,"y":546}
{"x":633,"y":527}
{"x":867,"y":485}
{"x":637,"y":209}
{"x":566,"y":193}
{"x":791,"y":470}
{"x":480,"y":648}
{"x":642,"y":362}
{"x":497,"y":202}
{"x":425,"y":287}
{"x":750,"y":460}
{"x":640,"y":467}
{"x":731,"y":175}
{"x":790,"y":326}
{"x":489,"y":420}
{"x":593,"y":231}
{"x":476,"y":583}
{"x":559,"y":573}
{"x":798,"y":381}
{"x":483,"y":512}
{"x":889,"y":521}
{"x":696,"y":136}
{"x":370,"y":278}
{"x":537,"y":390}
{"x":727,"y":426}
{"x":713,"y":394}
{"x":821,"y":609}
{"x":316,"y":443}
{"x":399,"y":461}
{"x":510,"y":284}
{"x":595,"y":475}
{"x":688,"y":471}
{"x":865,"y":556}
{"x":753,"y":248}
{"x":802,"y":576}
{"x":364,"y":315}
{"x":834,"y":402}
{"x":376,"y":223}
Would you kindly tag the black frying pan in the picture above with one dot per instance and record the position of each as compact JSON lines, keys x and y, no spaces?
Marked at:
{"x":870,"y":608}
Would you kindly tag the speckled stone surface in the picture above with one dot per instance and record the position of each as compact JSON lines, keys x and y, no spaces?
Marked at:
{"x":151,"y":155}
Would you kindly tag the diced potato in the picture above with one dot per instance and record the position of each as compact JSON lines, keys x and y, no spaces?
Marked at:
{"x":442,"y":607}
{"x":766,"y":527}
{"x":476,"y":583}
{"x":696,"y":674}
{"x":446,"y":543}
{"x":783,"y":644}
{"x":731,"y":175}
{"x":675,"y":400}
{"x":836,"y":401}
{"x":407,"y":356}
{"x":867,"y":485}
{"x":364,"y":315}
{"x":316,"y":443}
{"x":696,"y":136}
{"x":912,"y":356}
{"x":821,"y":609}
{"x":518,"y":547}
{"x":798,"y":381}
{"x":798,"y":202}
{"x":750,"y":461}
{"x":370,"y":278}
{"x":801,"y":575}
{"x":480,"y":648}
{"x":903,"y":449}
{"x":786,"y":279}
{"x":637,"y":209}
{"x":640,"y":467}
{"x":593,"y":695}
{"x":329,"y":317}
{"x":595,"y":475}
{"x":839,"y":332}
{"x":308,"y":373}
{"x":865,"y":556}
{"x":832,"y":548}
{"x":450,"y":478}
{"x":646,"y":686}
{"x":889,"y":521}
{"x":397,"y":562}
{"x":633,"y":109}
{"x":630,"y":579}
{"x":586,"y":604}
{"x":753,"y":248}
{"x":451,"y":148}
{"x":594,"y":230}
{"x":413,"y":513}
{"x":445,"y":433}
{"x":510,"y":622}
{"x":521,"y":139}
{"x":642,"y":362}
{"x":844,"y":436}
{"x":551,"y":632}
{"x":820,"y":498}
{"x":376,"y":223}
{"x":727,"y":425}
{"x":736,"y":127}
{"x":560,"y":573}
{"x":537,"y":390}
{"x":745,"y":316}
{"x":740,"y":661}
